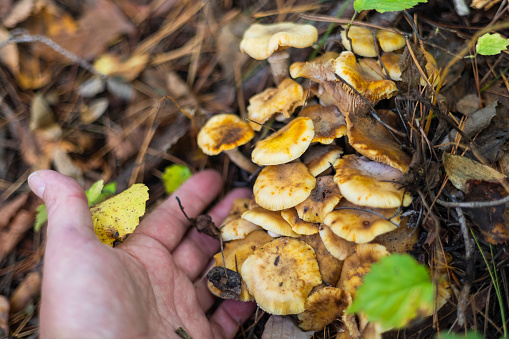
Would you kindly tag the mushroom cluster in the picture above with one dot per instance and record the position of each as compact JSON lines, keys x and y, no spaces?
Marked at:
{"x":319,"y":218}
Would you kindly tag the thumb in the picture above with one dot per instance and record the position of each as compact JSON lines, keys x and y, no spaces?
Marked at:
{"x":68,"y":212}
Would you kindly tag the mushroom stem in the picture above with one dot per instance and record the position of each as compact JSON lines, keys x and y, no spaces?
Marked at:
{"x":279,"y":64}
{"x":240,"y":160}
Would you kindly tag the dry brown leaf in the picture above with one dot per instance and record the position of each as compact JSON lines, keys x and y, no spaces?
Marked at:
{"x":114,"y":65}
{"x":41,"y":115}
{"x":10,"y":54}
{"x":65,"y":165}
{"x":31,"y":74}
{"x":19,"y":12}
{"x":11,"y":236}
{"x":460,"y":169}
{"x":281,"y":327}
{"x":25,"y":293}
{"x":486,"y":4}
{"x":94,"y":110}
{"x":9,"y":210}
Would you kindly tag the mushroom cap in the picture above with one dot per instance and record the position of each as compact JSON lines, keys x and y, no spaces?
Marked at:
{"x":361,"y":226}
{"x":281,"y":274}
{"x":322,"y":200}
{"x":269,"y":220}
{"x":322,"y":308}
{"x":358,"y":264}
{"x":285,"y":145}
{"x":319,"y":158}
{"x":368,"y":85}
{"x":284,"y":99}
{"x":369,"y":183}
{"x":328,"y":122}
{"x":401,"y":240}
{"x":390,"y":41}
{"x":391,"y":62}
{"x":370,"y":66}
{"x":310,"y":69}
{"x":298,"y":225}
{"x":330,"y":267}
{"x":223,"y":132}
{"x":261,"y":40}
{"x":283,"y":186}
{"x":337,"y":246}
{"x":363,"y":41}
{"x":233,"y":226}
{"x":235,"y":253}
{"x":371,"y":139}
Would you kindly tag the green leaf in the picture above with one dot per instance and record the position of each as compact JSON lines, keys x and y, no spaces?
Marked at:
{"x":40,"y":217}
{"x":385,"y":5}
{"x":94,"y":192}
{"x":469,"y":335}
{"x":174,"y":176}
{"x":396,"y":290}
{"x":491,"y":44}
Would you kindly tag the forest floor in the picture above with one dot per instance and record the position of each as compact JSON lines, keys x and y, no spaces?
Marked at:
{"x":171,"y":65}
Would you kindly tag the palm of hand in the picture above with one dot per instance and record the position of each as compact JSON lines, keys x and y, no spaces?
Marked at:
{"x":143,"y":288}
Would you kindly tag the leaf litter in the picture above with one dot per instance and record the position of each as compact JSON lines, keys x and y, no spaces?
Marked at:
{"x":88,"y":122}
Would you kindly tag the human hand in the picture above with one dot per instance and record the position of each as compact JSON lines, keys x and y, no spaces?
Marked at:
{"x":143,"y":288}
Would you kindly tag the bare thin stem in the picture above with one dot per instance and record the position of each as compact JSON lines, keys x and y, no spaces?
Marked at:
{"x":240,"y":160}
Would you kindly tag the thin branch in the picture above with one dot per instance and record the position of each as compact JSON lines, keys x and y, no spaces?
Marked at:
{"x":474,"y":204}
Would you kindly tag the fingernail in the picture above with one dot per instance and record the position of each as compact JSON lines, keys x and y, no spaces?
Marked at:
{"x":36,"y":184}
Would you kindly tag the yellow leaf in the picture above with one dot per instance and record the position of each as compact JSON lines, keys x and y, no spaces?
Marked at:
{"x":118,"y":216}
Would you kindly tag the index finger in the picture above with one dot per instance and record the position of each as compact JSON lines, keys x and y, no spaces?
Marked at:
{"x":167,"y":224}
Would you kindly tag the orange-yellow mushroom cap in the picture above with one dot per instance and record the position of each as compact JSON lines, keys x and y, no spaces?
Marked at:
{"x":223,"y":132}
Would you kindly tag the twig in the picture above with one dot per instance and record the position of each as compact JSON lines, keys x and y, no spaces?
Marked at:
{"x":474,"y":204}
{"x":20,"y":36}
{"x":182,"y":333}
{"x":469,"y":269}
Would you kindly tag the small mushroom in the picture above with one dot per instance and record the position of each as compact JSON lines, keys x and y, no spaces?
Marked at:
{"x":283,"y":186}
{"x":363,"y":41}
{"x":309,"y":69}
{"x":285,"y":145}
{"x":322,"y":200}
{"x":390,"y":41}
{"x":328,"y":122}
{"x":270,"y":221}
{"x":224,"y":133}
{"x":298,"y":225}
{"x":361,"y":226}
{"x":319,"y":158}
{"x":236,"y":252}
{"x":369,"y":183}
{"x":338,"y":247}
{"x":358,"y":264}
{"x":284,"y":99}
{"x":391,"y":63}
{"x":281,"y":274}
{"x":270,"y":42}
{"x":371,"y":139}
{"x":330,"y":267}
{"x":233,"y":226}
{"x":322,"y":308}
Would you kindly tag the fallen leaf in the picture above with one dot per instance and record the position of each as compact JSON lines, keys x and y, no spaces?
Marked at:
{"x":41,"y":115}
{"x":26,"y":292}
{"x":281,"y":327}
{"x":19,"y":12}
{"x":117,"y":217}
{"x":91,"y":87}
{"x":468,"y":104}
{"x":16,"y":230}
{"x":10,"y":54}
{"x":174,"y":176}
{"x":226,"y":280}
{"x":94,"y":110}
{"x":119,"y":88}
{"x":460,"y":169}
{"x":486,"y":4}
{"x":9,"y":210}
{"x":4,"y":316}
{"x":114,"y":65}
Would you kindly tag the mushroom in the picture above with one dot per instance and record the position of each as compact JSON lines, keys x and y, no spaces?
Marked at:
{"x":224,"y":133}
{"x":233,"y":226}
{"x":330,"y":267}
{"x":390,"y":41}
{"x":323,"y":307}
{"x":284,"y":99}
{"x":338,"y":247}
{"x":358,"y":264}
{"x":235,"y":253}
{"x":285,"y":145}
{"x":363,"y":41}
{"x":322,"y":200}
{"x":298,"y":225}
{"x":319,"y":158}
{"x":281,"y":274}
{"x":283,"y":186}
{"x":269,"y":220}
{"x":308,"y":69}
{"x":328,"y":122}
{"x":361,"y":226}
{"x":270,"y":42}
{"x":391,"y":63}
{"x":371,"y":139}
{"x":369,"y":183}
